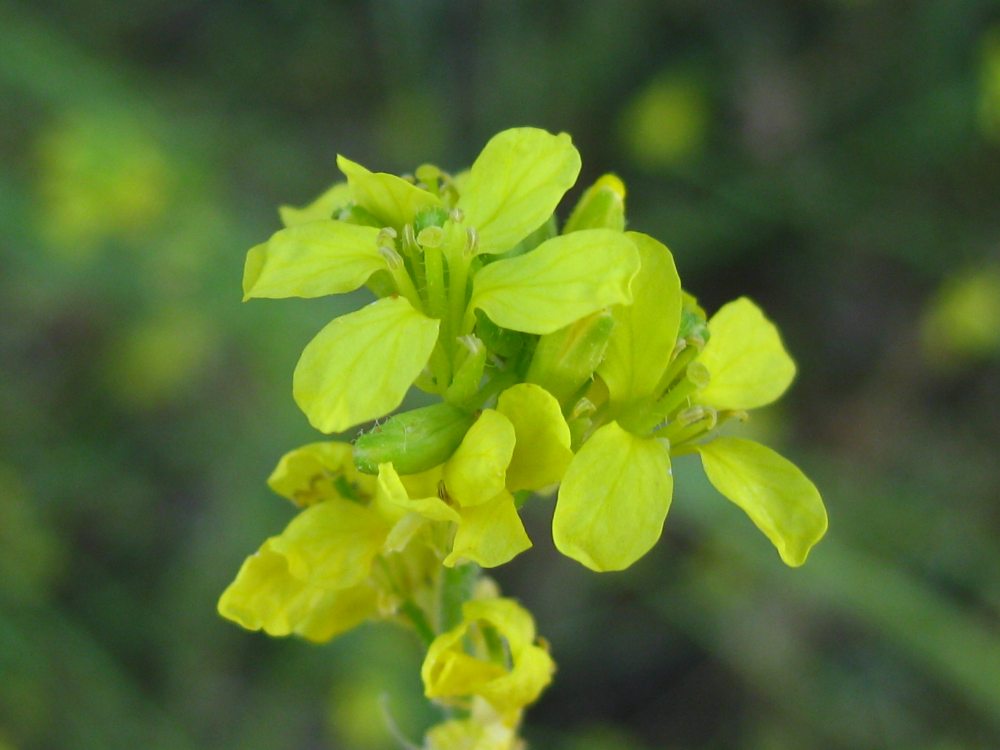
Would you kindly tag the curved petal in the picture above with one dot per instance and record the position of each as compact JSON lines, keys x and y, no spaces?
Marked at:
{"x":778,"y":497}
{"x":489,"y":534}
{"x":360,"y":366}
{"x":320,"y":471}
{"x":645,"y":332}
{"x":542,"y":447}
{"x":477,"y":471}
{"x":515,"y":184}
{"x":394,"y":500}
{"x":560,"y":281}
{"x":312,"y":260}
{"x":321,"y":208}
{"x":613,"y":499}
{"x":331,"y":545}
{"x":266,"y":596}
{"x":389,"y":198}
{"x":744,"y":355}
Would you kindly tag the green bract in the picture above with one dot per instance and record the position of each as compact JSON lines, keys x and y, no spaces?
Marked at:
{"x":556,"y":360}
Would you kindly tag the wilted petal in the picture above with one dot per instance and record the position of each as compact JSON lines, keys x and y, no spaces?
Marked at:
{"x":320,"y":471}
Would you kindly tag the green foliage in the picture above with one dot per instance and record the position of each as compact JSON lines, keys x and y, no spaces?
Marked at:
{"x":837,"y":176}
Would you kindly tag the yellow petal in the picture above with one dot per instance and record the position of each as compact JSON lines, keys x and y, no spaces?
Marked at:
{"x":560,"y":281}
{"x":470,"y":734}
{"x":542,"y":448}
{"x":515,"y":184}
{"x":312,"y":260}
{"x":489,"y":534}
{"x":321,"y":208}
{"x":449,"y":671}
{"x":320,"y":471}
{"x":336,"y":612}
{"x":778,"y":497}
{"x":266,"y":596}
{"x":332,"y":544}
{"x":394,"y":501}
{"x":389,"y":198}
{"x":747,"y":362}
{"x":613,"y":499}
{"x":477,"y":471}
{"x":360,"y":366}
{"x":645,"y":332}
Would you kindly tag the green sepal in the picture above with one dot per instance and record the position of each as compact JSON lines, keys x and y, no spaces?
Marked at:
{"x":694,"y":321}
{"x":499,"y":340}
{"x":602,"y":206}
{"x":566,"y":359}
{"x":413,"y":441}
{"x":469,"y":373}
{"x":432,"y":216}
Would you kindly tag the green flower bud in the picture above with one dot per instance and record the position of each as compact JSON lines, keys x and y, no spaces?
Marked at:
{"x":503,"y":341}
{"x":414,"y":440}
{"x":602,"y":206}
{"x":564,"y":361}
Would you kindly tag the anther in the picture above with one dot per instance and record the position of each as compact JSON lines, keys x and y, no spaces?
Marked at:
{"x":391,"y":257}
{"x":409,"y":238}
{"x":386,"y":236}
{"x":471,"y":342}
{"x":472,"y":241}
{"x":456,"y":215}
{"x":582,"y":408}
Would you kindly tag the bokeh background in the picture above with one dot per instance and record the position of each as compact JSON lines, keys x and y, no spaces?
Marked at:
{"x":837,"y":160}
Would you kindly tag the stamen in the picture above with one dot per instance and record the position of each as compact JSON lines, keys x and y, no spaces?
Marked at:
{"x":472,"y":241}
{"x":457,"y":215}
{"x":582,"y":408}
{"x":392,"y":258}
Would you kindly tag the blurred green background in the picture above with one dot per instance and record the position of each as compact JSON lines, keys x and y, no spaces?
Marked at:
{"x":838,"y":161}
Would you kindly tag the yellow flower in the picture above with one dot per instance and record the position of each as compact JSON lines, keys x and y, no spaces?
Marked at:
{"x":665,"y":396}
{"x":492,"y":654}
{"x":427,"y":250}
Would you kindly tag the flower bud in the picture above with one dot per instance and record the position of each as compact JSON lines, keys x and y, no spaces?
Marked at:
{"x":602,"y":206}
{"x":414,"y":440}
{"x":566,"y":359}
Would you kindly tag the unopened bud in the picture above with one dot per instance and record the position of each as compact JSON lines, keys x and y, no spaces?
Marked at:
{"x":413,"y":441}
{"x":565,"y":360}
{"x":602,"y":206}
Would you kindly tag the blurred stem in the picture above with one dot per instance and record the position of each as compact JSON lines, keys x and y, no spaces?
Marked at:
{"x":457,"y":587}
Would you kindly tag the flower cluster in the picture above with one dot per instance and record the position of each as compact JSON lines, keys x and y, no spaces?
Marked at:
{"x":562,"y":360}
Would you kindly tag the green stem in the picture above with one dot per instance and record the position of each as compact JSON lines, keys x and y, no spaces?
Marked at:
{"x":457,"y":586}
{"x":418,"y":619}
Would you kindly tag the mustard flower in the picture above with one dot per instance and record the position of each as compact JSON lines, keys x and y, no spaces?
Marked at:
{"x":664,"y":396}
{"x":439,"y":253}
